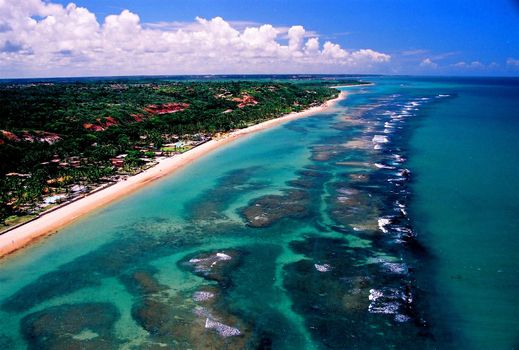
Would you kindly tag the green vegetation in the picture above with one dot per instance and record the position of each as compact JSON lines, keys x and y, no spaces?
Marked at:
{"x":66,"y":138}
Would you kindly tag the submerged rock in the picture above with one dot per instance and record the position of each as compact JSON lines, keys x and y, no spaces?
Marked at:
{"x":305,"y":183}
{"x":72,"y":326}
{"x":355,"y":304}
{"x":211,"y":204}
{"x":324,"y":153}
{"x":196,"y":320}
{"x":168,"y":319}
{"x":142,"y":282}
{"x":359,"y":144}
{"x":309,"y":179}
{"x":353,"y":207}
{"x":214,"y":266}
{"x":356,"y":299}
{"x":154,"y":316}
{"x":267,"y":210}
{"x":175,"y":322}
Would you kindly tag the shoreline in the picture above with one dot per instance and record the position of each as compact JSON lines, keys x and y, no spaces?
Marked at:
{"x":51,"y":222}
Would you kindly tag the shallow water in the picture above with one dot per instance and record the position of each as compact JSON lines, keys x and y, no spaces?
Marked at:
{"x":301,"y":236}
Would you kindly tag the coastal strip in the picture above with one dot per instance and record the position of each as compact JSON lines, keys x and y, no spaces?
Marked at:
{"x":50,"y":222}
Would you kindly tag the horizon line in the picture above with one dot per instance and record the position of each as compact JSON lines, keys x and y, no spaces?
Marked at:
{"x":2,"y":80}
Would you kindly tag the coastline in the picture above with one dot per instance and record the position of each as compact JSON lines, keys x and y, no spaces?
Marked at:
{"x":53,"y":221}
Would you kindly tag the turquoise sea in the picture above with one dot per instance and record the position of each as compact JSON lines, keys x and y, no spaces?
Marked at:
{"x":387,"y":222}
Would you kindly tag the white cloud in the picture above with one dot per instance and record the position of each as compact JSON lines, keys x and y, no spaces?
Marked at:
{"x":312,"y":46}
{"x":470,"y":65}
{"x":512,"y":62}
{"x":296,"y":36}
{"x":334,"y":51}
{"x":40,"y":38}
{"x":444,"y":55}
{"x":369,"y":55}
{"x":428,"y":63}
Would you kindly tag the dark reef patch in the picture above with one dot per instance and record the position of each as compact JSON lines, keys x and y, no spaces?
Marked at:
{"x":325,"y":153}
{"x":210,"y":204}
{"x":348,"y":302}
{"x":309,"y":179}
{"x":180,"y":323}
{"x":142,"y":282}
{"x":72,"y":326}
{"x":199,"y":320}
{"x":352,"y":207}
{"x":269,"y":209}
{"x":213,"y":266}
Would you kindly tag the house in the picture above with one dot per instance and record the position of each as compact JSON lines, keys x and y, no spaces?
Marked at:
{"x":54,"y":199}
{"x":245,"y":100}
{"x":78,"y":188}
{"x":117,"y":162}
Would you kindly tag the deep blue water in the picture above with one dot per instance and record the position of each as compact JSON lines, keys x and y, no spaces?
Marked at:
{"x":466,"y":205}
{"x":388,"y":221}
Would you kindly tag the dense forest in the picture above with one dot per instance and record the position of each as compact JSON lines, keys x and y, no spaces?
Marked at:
{"x":54,"y":136}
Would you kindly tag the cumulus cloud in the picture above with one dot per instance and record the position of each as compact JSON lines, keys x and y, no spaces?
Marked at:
{"x":428,"y":63}
{"x":296,"y":36}
{"x":40,"y":38}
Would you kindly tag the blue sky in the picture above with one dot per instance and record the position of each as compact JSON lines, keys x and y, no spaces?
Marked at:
{"x":479,"y":37}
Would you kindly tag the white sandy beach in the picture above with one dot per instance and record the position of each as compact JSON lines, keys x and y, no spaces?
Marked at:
{"x":53,"y":221}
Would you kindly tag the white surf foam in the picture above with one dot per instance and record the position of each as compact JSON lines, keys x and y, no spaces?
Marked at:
{"x":323,"y":267}
{"x":222,"y":329}
{"x":380,"y":139}
{"x":383,"y":166}
{"x":382,"y":223}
